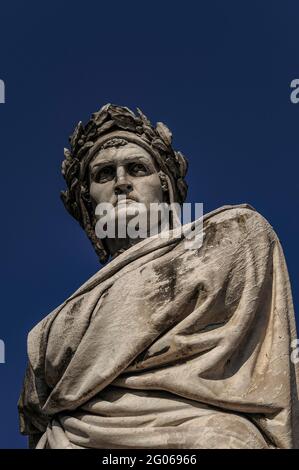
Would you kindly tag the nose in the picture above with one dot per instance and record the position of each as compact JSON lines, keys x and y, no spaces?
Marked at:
{"x":123,"y":188}
{"x":122,"y":185}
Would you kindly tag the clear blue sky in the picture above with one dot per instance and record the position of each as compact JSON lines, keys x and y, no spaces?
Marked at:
{"x":217,"y":73}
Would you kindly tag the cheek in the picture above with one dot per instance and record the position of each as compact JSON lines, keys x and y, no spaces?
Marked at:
{"x":100,"y":192}
{"x":150,"y":189}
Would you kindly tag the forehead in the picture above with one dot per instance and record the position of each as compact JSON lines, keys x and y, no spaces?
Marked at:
{"x":121,"y":154}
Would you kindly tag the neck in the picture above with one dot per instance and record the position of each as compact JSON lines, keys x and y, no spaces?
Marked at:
{"x":116,"y":246}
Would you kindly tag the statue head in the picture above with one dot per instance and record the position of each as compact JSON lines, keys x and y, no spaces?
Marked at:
{"x":119,"y":153}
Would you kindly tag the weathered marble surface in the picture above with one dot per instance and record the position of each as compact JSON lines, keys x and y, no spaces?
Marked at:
{"x":168,"y":347}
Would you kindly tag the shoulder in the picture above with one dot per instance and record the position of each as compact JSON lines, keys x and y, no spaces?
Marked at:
{"x":232,"y":241}
{"x":242,"y":219}
{"x":235,"y":228}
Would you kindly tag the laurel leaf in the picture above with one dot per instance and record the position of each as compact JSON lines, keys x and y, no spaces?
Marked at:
{"x":79,"y":130}
{"x":160,"y":145}
{"x":183,"y":163}
{"x":105,"y":127}
{"x":144,"y":117}
{"x":164,"y":133}
{"x":67,"y":154}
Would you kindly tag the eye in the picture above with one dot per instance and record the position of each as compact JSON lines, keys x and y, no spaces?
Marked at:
{"x":107,"y":173}
{"x":137,"y":169}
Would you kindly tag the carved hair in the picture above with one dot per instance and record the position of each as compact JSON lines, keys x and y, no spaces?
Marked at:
{"x":115,"y":126}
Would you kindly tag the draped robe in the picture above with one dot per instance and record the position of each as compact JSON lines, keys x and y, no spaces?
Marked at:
{"x":168,"y":347}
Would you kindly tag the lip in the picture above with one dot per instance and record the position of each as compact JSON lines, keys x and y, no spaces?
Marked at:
{"x":124,"y":201}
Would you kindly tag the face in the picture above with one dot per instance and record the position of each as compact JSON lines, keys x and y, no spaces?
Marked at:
{"x":124,"y":175}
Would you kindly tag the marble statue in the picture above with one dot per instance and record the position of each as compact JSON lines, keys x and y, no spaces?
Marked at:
{"x":164,"y":347}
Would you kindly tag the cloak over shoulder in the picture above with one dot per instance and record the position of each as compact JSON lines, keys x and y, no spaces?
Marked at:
{"x":171,"y":347}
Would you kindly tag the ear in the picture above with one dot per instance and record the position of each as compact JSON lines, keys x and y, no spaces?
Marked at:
{"x":164,"y":186}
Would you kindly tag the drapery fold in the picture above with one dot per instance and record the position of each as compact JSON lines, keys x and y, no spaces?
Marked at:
{"x":209,"y":327}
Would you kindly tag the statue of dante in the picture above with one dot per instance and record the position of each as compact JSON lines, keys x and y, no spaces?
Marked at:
{"x":164,"y":347}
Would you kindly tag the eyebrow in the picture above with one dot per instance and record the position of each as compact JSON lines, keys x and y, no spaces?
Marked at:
{"x":125,"y":160}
